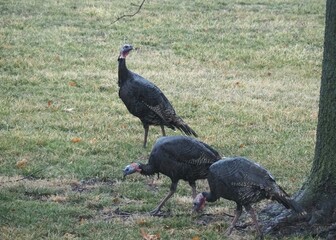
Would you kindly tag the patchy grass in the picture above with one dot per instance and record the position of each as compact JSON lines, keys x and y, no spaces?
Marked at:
{"x":244,"y":74}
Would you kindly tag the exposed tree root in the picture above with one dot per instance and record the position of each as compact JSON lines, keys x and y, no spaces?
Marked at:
{"x":279,"y":222}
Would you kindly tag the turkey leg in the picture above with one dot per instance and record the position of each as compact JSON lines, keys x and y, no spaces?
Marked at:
{"x":250,"y":210}
{"x":146,"y":127}
{"x":156,"y":210}
{"x":238,"y":212}
{"x":163,"y":130}
{"x":193,"y":188}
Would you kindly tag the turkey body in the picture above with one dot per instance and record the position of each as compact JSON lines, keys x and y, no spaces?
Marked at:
{"x":182,"y":157}
{"x":179,"y":158}
{"x":244,"y":182}
{"x":139,"y":96}
{"x":146,"y":101}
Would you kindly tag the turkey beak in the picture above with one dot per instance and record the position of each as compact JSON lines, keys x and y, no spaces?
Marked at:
{"x":195,"y":208}
{"x":124,"y":174}
{"x":130,"y":48}
{"x":195,"y":211}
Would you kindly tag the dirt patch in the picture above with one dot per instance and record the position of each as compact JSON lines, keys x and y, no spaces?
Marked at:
{"x":74,"y":184}
{"x":90,"y":184}
{"x":55,"y":190}
{"x":73,"y":191}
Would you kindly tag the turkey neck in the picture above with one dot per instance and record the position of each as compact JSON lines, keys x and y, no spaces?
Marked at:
{"x":123,"y":72}
{"x":209,"y":196}
{"x":147,"y":169}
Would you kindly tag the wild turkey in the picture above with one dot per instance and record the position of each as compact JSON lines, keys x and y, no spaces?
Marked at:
{"x":146,"y":101}
{"x":177,"y":157}
{"x":243,"y":182}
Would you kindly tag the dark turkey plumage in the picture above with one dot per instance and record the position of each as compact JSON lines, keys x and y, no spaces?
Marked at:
{"x":146,"y":101}
{"x":179,"y":158}
{"x":244,"y":182}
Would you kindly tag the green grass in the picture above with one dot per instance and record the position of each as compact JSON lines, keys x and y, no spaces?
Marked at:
{"x":245,"y":75}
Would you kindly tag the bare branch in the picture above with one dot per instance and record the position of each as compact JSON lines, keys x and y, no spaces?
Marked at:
{"x":130,"y":15}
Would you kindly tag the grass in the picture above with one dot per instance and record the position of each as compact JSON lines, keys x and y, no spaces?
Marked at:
{"x":243,"y":74}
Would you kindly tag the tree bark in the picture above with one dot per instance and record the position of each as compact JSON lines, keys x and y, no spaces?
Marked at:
{"x":321,"y":184}
{"x":320,"y":189}
{"x":318,"y":193}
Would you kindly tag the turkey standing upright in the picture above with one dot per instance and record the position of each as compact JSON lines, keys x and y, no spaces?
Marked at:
{"x":146,"y":101}
{"x":244,"y":182}
{"x":178,"y":157}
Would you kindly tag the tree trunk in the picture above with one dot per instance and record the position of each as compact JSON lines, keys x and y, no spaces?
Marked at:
{"x":320,"y":189}
{"x":318,"y":194}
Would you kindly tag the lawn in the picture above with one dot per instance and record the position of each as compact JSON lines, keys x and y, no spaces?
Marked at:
{"x":244,"y":75}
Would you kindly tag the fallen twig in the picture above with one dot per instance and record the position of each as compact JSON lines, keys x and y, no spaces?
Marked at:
{"x":121,"y":213}
{"x":224,"y":213}
{"x":23,"y":178}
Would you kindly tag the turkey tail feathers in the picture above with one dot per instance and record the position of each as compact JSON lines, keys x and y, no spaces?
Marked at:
{"x":296,"y":207}
{"x":290,"y":203}
{"x":182,"y":126}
